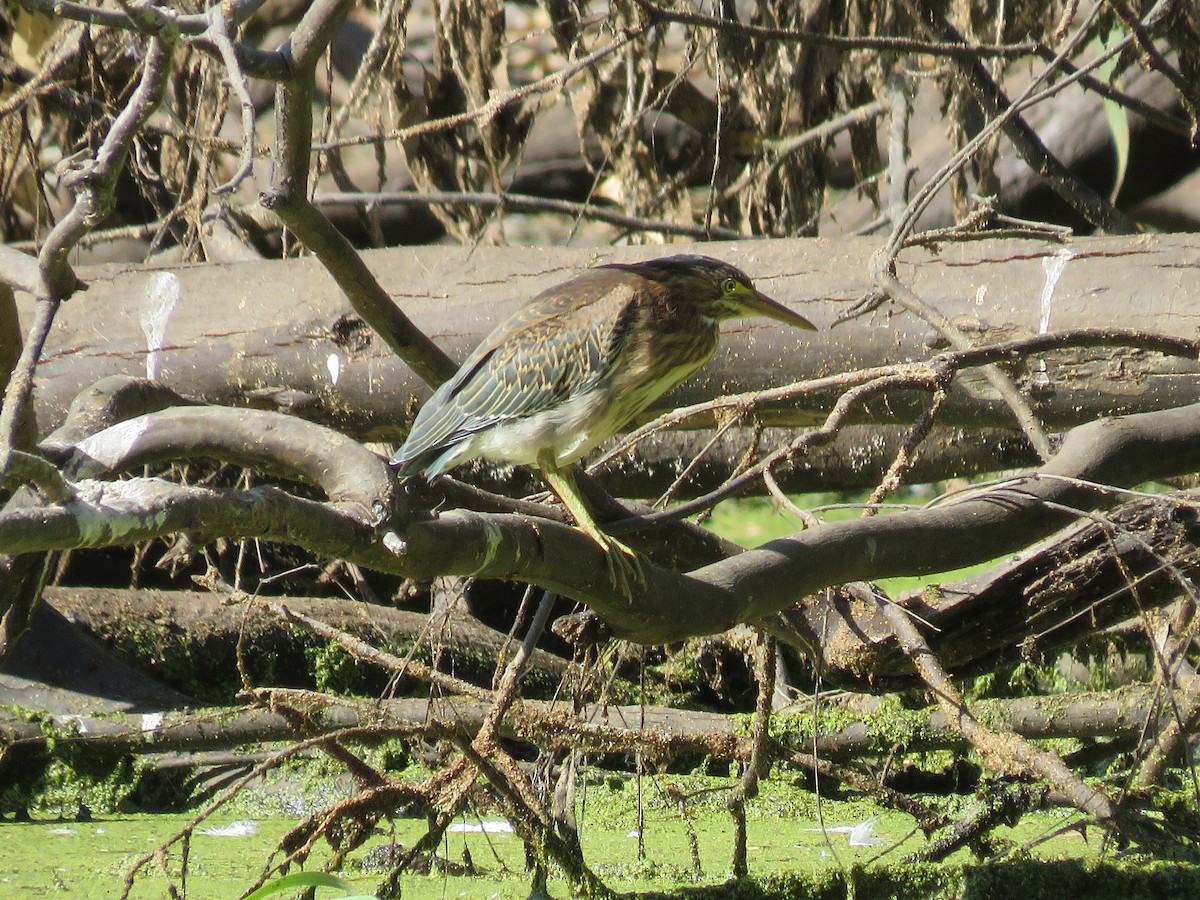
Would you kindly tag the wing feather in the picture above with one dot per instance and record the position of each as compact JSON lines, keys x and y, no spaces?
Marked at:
{"x":562,"y":344}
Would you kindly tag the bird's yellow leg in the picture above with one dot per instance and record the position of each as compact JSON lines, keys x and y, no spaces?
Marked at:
{"x":624,"y":565}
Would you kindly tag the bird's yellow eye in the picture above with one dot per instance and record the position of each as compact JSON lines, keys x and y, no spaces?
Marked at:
{"x":730,"y":286}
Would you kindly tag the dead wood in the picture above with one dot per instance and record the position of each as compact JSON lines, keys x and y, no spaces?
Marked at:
{"x":749,"y":586}
{"x":210,"y":625}
{"x":327,"y":361}
{"x":1001,"y":749}
{"x":1074,"y":127}
{"x":278,"y":335}
{"x":1095,"y":573}
{"x":663,"y":733}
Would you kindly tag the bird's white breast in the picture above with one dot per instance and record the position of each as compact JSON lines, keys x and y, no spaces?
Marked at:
{"x":570,"y":429}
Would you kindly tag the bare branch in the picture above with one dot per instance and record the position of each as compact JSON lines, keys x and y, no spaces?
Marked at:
{"x":1139,"y":30}
{"x":1172,"y":737}
{"x":345,"y":470}
{"x":106,"y":403}
{"x":29,"y":468}
{"x":906,"y":454}
{"x":955,"y":361}
{"x":1007,"y":751}
{"x":20,"y":383}
{"x":1020,"y":407}
{"x":925,"y":379}
{"x":163,"y":22}
{"x":288,"y":198}
{"x":525,"y":203}
{"x":595,"y":728}
{"x":1088,"y":203}
{"x":953,"y":49}
{"x":782,"y":147}
{"x":902,"y":229}
{"x":313,"y":34}
{"x":758,"y":764}
{"x":555,"y":81}
{"x":748,"y":587}
{"x":218,"y":33}
{"x":93,"y":181}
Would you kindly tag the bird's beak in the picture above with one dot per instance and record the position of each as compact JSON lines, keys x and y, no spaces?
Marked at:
{"x":757,"y":303}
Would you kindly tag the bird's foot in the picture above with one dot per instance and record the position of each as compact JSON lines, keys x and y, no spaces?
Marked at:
{"x":624,"y":566}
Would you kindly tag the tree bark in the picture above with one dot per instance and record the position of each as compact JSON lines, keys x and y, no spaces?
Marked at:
{"x":277,"y":334}
{"x":212,"y":624}
{"x":1094,"y":462}
{"x":1094,"y":574}
{"x":661,"y":730}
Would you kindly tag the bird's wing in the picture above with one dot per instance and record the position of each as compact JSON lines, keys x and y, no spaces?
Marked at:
{"x":561,"y":345}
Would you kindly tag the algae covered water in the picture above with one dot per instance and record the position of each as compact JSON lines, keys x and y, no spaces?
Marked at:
{"x":483,"y":858}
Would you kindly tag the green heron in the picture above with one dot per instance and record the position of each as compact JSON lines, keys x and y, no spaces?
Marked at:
{"x":573,"y":366}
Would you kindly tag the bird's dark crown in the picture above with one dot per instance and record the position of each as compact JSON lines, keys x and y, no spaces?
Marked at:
{"x":684,"y":268}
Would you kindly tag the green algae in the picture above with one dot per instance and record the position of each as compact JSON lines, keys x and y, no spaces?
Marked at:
{"x":790,"y":856}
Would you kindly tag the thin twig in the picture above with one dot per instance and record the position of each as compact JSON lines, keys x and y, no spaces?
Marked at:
{"x":960,"y":49}
{"x":1005,"y":751}
{"x":903,"y":229}
{"x":20,"y":384}
{"x":145,"y":17}
{"x":899,"y":105}
{"x":365,"y":652}
{"x":781,"y":148}
{"x":1021,"y":410}
{"x":288,"y":197}
{"x":757,"y":765}
{"x":388,"y":35}
{"x":906,"y":455}
{"x":884,"y":263}
{"x":36,"y":81}
{"x":1093,"y":207}
{"x":695,"y":461}
{"x":555,"y":81}
{"x":949,"y":362}
{"x":218,"y":33}
{"x":505,"y":690}
{"x":846,"y":404}
{"x":1139,"y":31}
{"x":914,"y":376}
{"x":806,"y":517}
{"x":1135,"y":105}
{"x":985,"y":224}
{"x":529,"y":204}
{"x":94,"y":182}
{"x":271,"y":762}
{"x":1171,"y":739}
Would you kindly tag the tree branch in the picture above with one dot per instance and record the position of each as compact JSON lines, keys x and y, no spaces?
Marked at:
{"x":288,"y":198}
{"x":1004,"y":751}
{"x":953,"y":49}
{"x":1082,"y":198}
{"x":525,"y":203}
{"x":748,"y":587}
{"x":273,"y":442}
{"x":664,"y":731}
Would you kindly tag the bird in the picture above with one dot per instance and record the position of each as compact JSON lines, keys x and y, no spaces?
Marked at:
{"x":573,"y":366}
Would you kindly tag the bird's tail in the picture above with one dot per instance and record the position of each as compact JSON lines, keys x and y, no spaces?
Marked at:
{"x":428,"y":462}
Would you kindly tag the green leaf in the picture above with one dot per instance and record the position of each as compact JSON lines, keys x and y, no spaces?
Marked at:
{"x":309,"y":879}
{"x":1115,"y":113}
